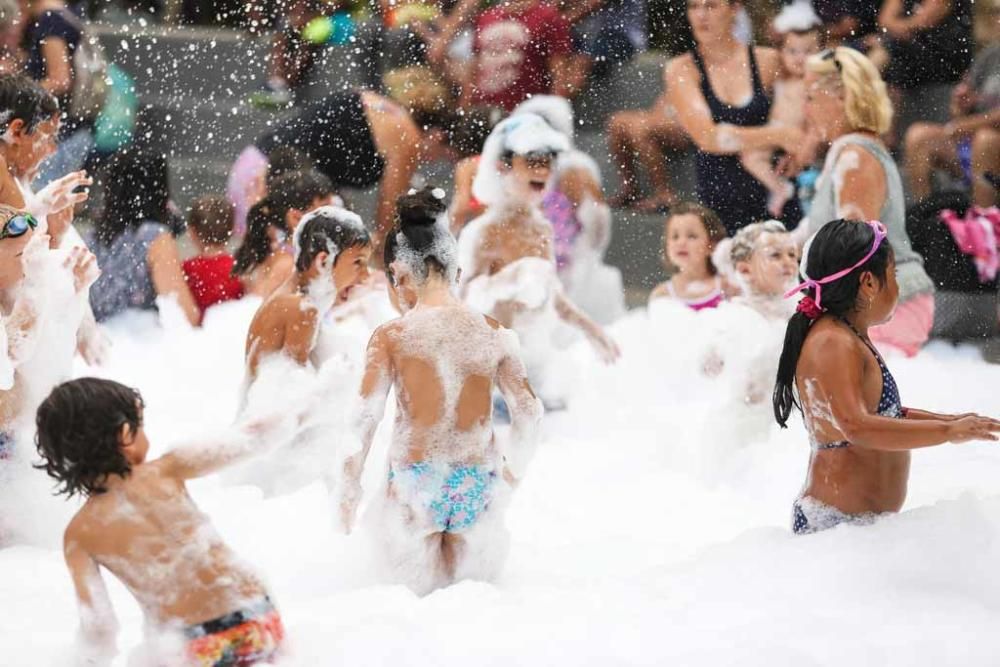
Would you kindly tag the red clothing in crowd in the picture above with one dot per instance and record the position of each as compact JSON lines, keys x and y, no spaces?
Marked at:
{"x":210,"y":280}
{"x":513,"y":52}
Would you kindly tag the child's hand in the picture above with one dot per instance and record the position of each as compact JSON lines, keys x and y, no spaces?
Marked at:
{"x":973,"y":427}
{"x":350,"y":499}
{"x":83,"y":264}
{"x":35,"y":258}
{"x":605,"y":346}
{"x":92,"y":344}
{"x":59,"y":195}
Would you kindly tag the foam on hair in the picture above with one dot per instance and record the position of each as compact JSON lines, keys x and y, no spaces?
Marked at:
{"x":744,"y":242}
{"x":518,"y":135}
{"x":554,"y":110}
{"x":421,"y":238}
{"x":329,"y":229}
{"x":799,"y":16}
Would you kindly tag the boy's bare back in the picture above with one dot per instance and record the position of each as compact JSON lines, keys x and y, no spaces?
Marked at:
{"x":285,"y":322}
{"x":148,"y":532}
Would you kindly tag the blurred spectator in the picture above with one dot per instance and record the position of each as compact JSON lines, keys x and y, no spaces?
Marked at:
{"x":137,"y":254}
{"x":969,"y":144}
{"x":521,"y":48}
{"x":11,"y":34}
{"x":798,"y":28}
{"x":847,"y":104}
{"x":721,"y":91}
{"x":210,"y":226}
{"x":361,"y":139}
{"x":847,"y":22}
{"x":643,"y":136}
{"x":52,"y":36}
{"x":605,"y":33}
{"x":929,"y":44}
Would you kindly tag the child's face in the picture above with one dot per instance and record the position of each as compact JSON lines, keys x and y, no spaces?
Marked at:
{"x":528,"y":177}
{"x":772,"y":267}
{"x":687,"y":243}
{"x":796,"y":49}
{"x":350,"y":270}
{"x":31,"y":148}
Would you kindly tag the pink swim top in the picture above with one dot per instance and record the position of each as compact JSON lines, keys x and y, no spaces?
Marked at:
{"x":710,"y":300}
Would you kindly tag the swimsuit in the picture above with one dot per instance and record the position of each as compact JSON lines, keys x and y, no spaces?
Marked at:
{"x":238,"y":639}
{"x":454,"y":496}
{"x":723,"y":184}
{"x":810,"y":515}
{"x":712,"y":300}
{"x":6,"y":445}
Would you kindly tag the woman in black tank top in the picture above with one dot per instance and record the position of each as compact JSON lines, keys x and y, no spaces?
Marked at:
{"x":723,"y":184}
{"x":721,"y":130}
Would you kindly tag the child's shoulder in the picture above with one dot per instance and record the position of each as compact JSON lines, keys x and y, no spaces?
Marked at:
{"x":660,"y":291}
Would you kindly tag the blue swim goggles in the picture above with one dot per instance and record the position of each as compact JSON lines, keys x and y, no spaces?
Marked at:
{"x":18,"y":226}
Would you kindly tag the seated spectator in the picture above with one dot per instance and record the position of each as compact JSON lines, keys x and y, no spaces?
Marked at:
{"x":643,"y":136}
{"x":264,"y":260}
{"x":846,"y":22}
{"x":929,"y":44}
{"x":11,"y":34}
{"x":209,"y":275}
{"x":605,"y":33}
{"x":137,"y":254}
{"x":521,"y":48}
{"x":968,"y":145}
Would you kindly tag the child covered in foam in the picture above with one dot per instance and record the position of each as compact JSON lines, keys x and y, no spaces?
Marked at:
{"x":202,"y":605}
{"x":332,"y":250}
{"x":440,"y":517}
{"x":581,"y":220}
{"x":507,"y":254}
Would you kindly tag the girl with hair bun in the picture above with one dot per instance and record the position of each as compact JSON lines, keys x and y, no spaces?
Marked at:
{"x":860,"y":433}
{"x":442,"y":509}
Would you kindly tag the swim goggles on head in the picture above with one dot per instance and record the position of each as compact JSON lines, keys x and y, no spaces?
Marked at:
{"x":18,"y":226}
{"x":817,"y":284}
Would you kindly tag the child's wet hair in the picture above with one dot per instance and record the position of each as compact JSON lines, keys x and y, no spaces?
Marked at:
{"x":745,"y":241}
{"x":837,"y":245}
{"x":709,"y":220}
{"x":295,"y":190}
{"x":417,"y":236}
{"x":212,"y":218}
{"x":79,"y":430}
{"x":23,"y":99}
{"x":328,"y":229}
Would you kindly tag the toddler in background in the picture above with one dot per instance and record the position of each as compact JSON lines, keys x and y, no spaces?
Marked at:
{"x":799,"y":29}
{"x":764,"y":260}
{"x":209,"y":275}
{"x":690,"y":235}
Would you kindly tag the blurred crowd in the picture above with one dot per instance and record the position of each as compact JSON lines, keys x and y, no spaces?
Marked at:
{"x":900,"y":121}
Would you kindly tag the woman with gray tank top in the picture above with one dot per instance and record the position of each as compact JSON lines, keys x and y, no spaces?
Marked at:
{"x":848,"y":107}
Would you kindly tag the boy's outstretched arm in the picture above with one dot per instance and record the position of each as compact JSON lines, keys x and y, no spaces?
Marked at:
{"x":525,"y":408}
{"x":243,"y":440}
{"x":375,"y":387}
{"x":95,"y":643}
{"x":603,"y":344}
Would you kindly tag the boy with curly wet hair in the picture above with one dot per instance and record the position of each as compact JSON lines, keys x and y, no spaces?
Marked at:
{"x":140,"y":524}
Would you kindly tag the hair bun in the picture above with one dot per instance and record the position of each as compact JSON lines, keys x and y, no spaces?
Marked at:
{"x":421,"y":207}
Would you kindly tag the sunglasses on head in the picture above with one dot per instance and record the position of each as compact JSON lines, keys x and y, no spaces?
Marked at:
{"x":18,"y":226}
{"x":830,"y":54}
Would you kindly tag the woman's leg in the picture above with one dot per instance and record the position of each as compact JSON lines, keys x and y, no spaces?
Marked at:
{"x":927,"y":147}
{"x":622,"y":140}
{"x":985,"y":162}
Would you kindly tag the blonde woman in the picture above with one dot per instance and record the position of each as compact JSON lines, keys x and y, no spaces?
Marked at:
{"x":848,"y":107}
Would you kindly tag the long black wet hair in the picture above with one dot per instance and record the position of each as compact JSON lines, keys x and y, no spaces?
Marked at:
{"x":137,"y":190}
{"x":836,"y":246}
{"x":294,"y":190}
{"x":416,"y":219}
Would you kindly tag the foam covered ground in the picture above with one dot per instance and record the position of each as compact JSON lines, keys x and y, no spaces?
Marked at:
{"x":652,"y":529}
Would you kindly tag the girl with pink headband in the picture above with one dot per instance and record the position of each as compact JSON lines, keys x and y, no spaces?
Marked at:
{"x":860,"y":433}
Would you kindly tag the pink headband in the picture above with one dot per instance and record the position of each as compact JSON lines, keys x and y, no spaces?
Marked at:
{"x":880,"y":235}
